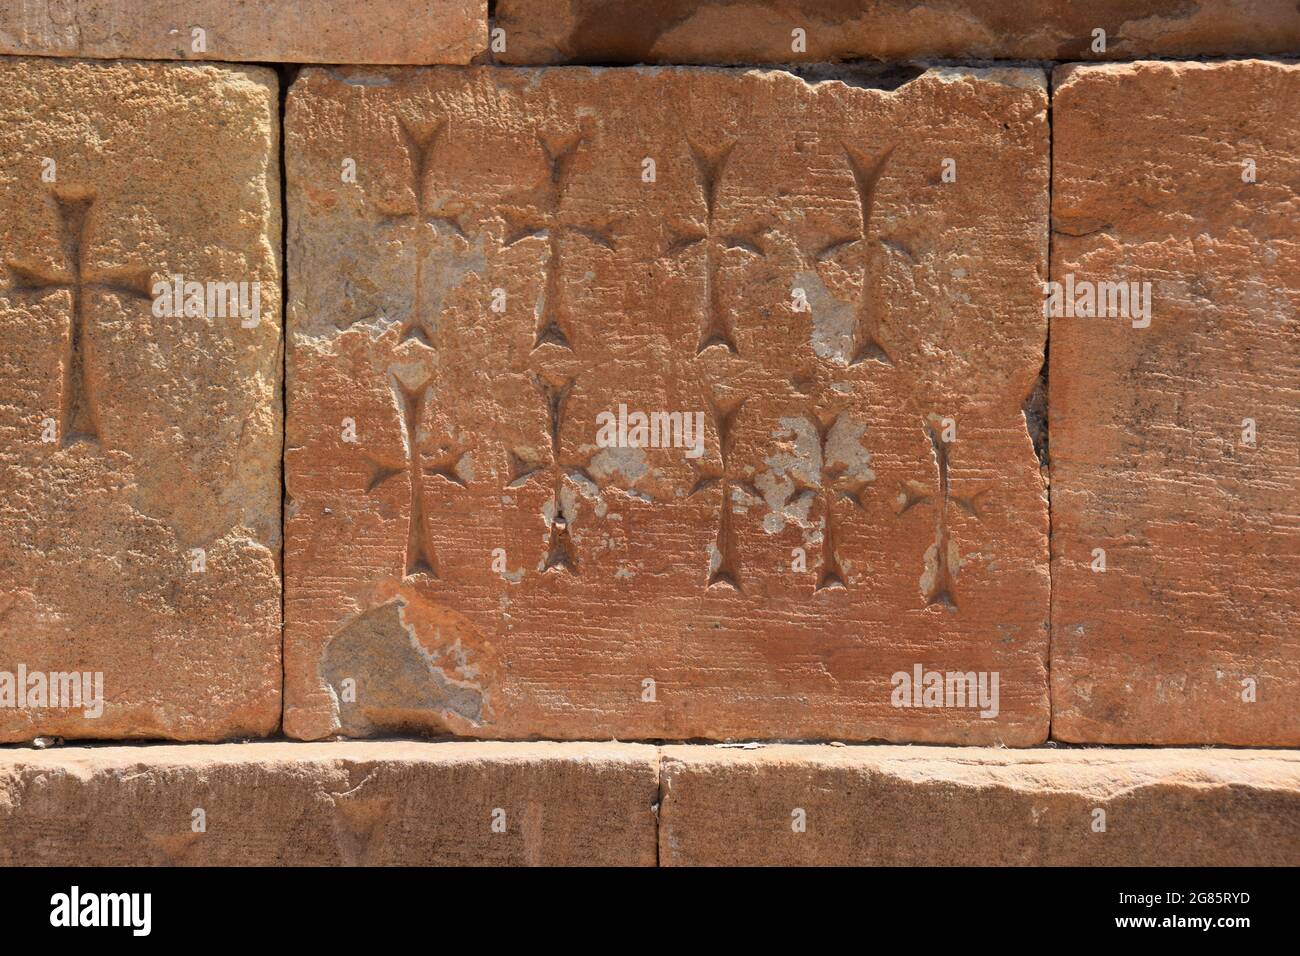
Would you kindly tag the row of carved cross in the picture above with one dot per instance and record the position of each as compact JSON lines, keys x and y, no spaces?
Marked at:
{"x":833,"y":487}
{"x":541,"y":212}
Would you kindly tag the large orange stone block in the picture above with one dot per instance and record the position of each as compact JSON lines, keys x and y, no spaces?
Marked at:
{"x":666,"y":404}
{"x":1175,"y":438}
{"x":140,"y":430}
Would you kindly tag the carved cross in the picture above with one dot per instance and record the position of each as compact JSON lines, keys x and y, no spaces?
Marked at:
{"x":447,"y":465}
{"x":727,"y":479}
{"x":833,"y":485}
{"x":540,"y":213}
{"x":867,"y":171}
{"x":718,"y":328}
{"x":940,"y":589}
{"x":522,"y":468}
{"x":420,"y":141}
{"x":79,"y":415}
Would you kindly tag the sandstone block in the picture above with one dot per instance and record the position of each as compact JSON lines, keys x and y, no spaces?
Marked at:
{"x":754,"y":31}
{"x":1175,"y":439}
{"x":292,"y":31}
{"x":828,"y":295}
{"x":927,"y":806}
{"x":372,"y":804}
{"x":140,"y":439}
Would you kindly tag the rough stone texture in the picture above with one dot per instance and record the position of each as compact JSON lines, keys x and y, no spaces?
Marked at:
{"x":925,"y":806}
{"x":1201,"y":531}
{"x":164,"y":433}
{"x":293,"y":31}
{"x":403,"y":803}
{"x":758,"y":31}
{"x":294,"y":804}
{"x":621,"y":565}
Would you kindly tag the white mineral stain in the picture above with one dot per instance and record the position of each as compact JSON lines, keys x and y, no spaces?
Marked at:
{"x":570,"y":502}
{"x":930,"y":574}
{"x":465,"y":467}
{"x":630,"y":463}
{"x":798,"y":463}
{"x":955,"y":562}
{"x":586,"y":487}
{"x":832,"y":320}
{"x":844,"y":449}
{"x":740,"y":496}
{"x":375,"y":325}
{"x":797,"y":458}
{"x":360,"y":79}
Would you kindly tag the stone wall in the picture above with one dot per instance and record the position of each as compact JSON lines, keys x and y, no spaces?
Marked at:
{"x":827,"y":373}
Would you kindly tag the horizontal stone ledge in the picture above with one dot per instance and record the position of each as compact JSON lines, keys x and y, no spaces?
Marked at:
{"x":737,"y":31}
{"x":286,"y":804}
{"x":472,"y":803}
{"x":942,"y":806}
{"x":271,"y":31}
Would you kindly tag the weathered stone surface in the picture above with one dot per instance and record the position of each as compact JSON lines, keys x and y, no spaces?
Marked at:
{"x":131,"y":438}
{"x":1153,"y":462}
{"x":926,"y":806}
{"x":295,"y":804}
{"x":293,"y":31}
{"x":463,"y":556}
{"x":756,"y":31}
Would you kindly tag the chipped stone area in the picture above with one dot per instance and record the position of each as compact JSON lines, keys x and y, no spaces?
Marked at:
{"x":496,"y":271}
{"x":404,"y":666}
